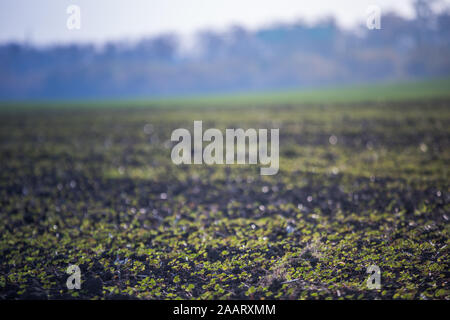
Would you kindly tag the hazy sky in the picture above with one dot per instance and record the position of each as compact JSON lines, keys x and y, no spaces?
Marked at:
{"x":44,"y":21}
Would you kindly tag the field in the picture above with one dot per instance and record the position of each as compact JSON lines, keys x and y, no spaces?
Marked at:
{"x":362,"y":181}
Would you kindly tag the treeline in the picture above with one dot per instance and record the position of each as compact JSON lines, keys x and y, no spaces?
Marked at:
{"x":281,"y":56}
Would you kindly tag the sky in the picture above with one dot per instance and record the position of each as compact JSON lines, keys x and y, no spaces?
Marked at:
{"x":43,"y":22}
